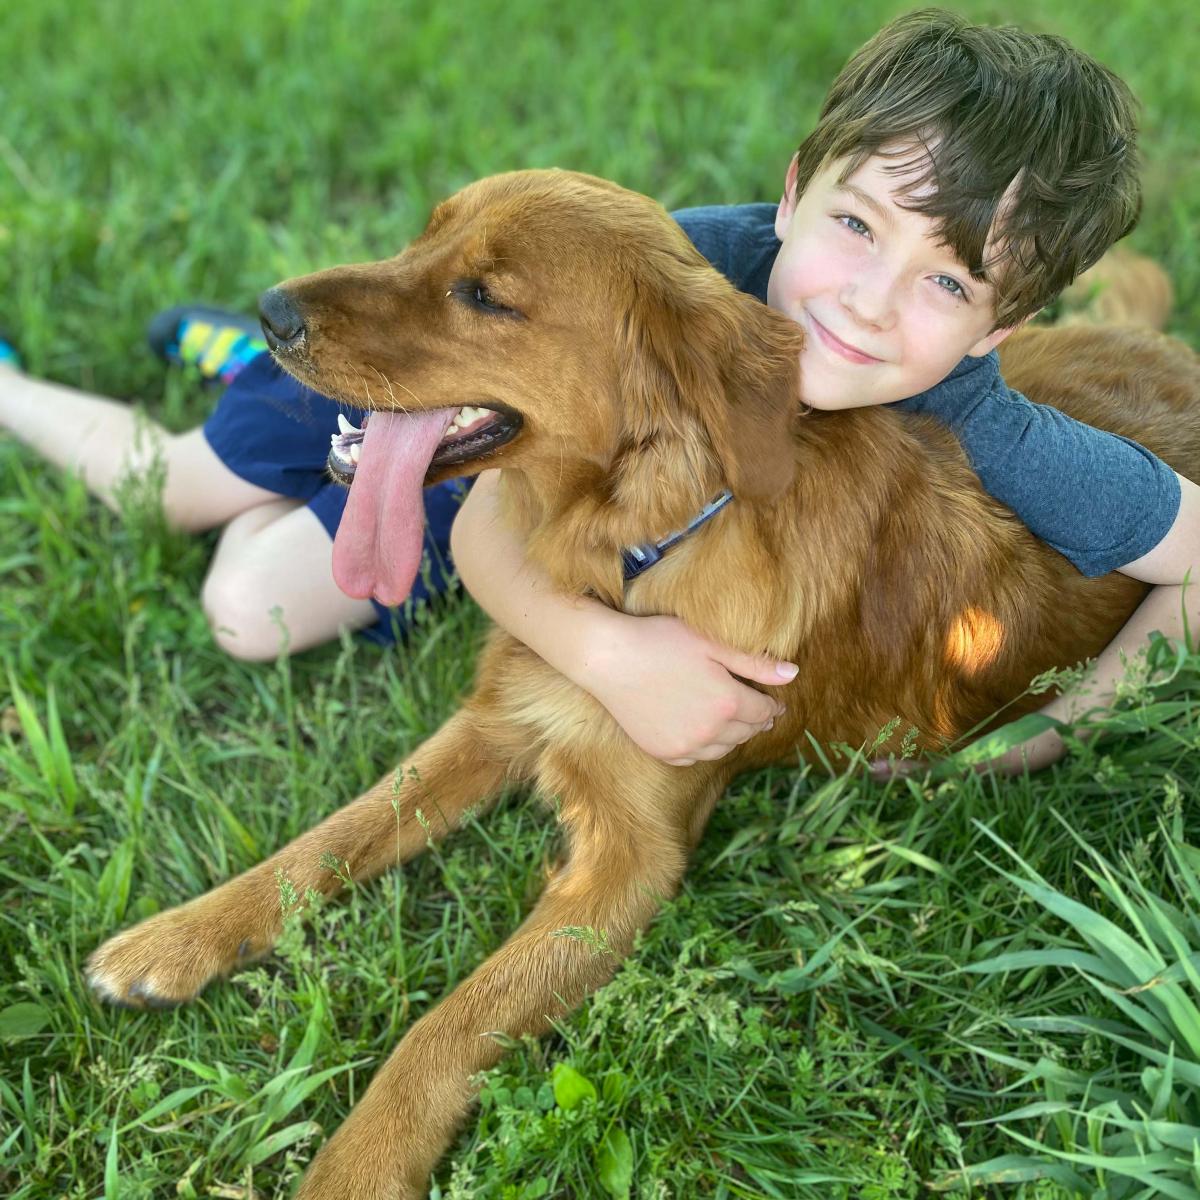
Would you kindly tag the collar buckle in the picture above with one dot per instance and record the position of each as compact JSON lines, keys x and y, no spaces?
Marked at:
{"x":640,"y":558}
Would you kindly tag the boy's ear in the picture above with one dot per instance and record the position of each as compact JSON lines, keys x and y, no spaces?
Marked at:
{"x":787,"y":205}
{"x":987,"y":344}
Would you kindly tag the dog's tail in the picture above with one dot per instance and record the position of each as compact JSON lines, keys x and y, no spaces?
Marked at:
{"x":1123,"y":288}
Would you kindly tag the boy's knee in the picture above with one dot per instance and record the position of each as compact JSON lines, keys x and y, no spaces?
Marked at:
{"x":239,"y":614}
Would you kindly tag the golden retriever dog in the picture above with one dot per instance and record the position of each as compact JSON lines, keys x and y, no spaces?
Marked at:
{"x":565,"y":330}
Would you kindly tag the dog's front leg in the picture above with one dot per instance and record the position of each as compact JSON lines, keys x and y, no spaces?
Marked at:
{"x":168,"y":958}
{"x":622,"y":864}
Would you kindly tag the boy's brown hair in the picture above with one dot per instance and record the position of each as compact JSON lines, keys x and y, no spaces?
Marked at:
{"x":1007,"y":138}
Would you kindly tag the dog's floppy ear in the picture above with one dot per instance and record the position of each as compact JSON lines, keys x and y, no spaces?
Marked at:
{"x":709,"y":364}
{"x":761,"y":374}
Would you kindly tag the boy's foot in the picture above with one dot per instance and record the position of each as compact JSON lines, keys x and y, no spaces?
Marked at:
{"x":8,"y":354}
{"x":216,"y":342}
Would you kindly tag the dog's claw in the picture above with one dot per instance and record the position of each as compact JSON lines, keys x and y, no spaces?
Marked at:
{"x":105,"y":994}
{"x":141,"y":989}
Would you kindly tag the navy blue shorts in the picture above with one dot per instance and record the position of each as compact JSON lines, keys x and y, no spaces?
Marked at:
{"x":274,"y":432}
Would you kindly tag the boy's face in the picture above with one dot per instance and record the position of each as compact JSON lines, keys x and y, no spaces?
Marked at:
{"x":888,"y":310}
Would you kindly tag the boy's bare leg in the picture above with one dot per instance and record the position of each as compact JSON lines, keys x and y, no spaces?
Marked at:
{"x":105,"y":441}
{"x":277,"y":556}
{"x":273,"y":553}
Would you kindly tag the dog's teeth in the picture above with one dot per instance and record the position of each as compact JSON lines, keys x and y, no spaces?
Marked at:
{"x":467,"y":415}
{"x":345,"y":425}
{"x":355,"y":451}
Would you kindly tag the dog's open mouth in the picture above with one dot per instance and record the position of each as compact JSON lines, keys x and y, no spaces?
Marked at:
{"x":472,"y":432}
{"x":379,"y":543}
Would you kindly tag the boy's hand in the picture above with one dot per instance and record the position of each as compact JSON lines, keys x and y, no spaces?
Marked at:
{"x":1034,"y":754}
{"x":676,"y":693}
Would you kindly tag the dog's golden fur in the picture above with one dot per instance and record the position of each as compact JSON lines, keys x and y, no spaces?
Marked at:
{"x":859,"y":545}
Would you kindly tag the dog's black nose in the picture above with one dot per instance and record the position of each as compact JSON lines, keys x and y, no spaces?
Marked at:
{"x":282,"y":324}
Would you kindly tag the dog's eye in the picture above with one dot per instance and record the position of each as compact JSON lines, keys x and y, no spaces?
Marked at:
{"x":477,"y":296}
{"x":484,"y":298}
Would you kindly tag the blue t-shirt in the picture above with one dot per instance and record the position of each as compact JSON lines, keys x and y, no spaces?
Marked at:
{"x":1099,"y":499}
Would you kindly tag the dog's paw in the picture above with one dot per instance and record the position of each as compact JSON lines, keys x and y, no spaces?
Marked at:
{"x":167,"y":959}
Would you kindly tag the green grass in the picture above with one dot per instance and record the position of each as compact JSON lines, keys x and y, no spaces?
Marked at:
{"x":798,"y":1022}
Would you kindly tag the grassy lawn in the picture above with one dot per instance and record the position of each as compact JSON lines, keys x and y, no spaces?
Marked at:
{"x":808,"y":1017}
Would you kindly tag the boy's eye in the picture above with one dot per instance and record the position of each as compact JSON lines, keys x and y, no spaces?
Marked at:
{"x":949,"y":284}
{"x":855,"y":225}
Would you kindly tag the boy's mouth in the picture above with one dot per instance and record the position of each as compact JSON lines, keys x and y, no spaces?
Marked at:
{"x":832,"y":342}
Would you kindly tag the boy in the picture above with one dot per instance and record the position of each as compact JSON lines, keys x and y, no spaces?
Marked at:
{"x":958,"y":179}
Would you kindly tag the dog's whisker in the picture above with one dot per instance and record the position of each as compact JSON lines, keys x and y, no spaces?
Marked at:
{"x":387,"y":383}
{"x":562,"y":467}
{"x":392,"y":384}
{"x":410,"y":392}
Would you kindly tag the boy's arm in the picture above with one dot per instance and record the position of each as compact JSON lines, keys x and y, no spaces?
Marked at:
{"x":1177,"y":556}
{"x":1171,"y":609}
{"x":674,"y":692}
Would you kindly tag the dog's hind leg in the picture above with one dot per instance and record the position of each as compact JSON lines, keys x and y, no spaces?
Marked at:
{"x":622,"y":864}
{"x":168,"y":958}
{"x":1123,"y":288}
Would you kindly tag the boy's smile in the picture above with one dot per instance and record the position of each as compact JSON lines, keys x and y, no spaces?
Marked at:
{"x":888,"y":309}
{"x":834,"y":343}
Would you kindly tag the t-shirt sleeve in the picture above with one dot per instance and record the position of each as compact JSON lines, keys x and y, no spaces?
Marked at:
{"x":737,"y":239}
{"x":1101,"y":500}
{"x":710,"y":232}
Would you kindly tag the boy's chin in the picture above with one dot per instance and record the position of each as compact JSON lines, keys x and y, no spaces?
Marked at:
{"x":834,"y":390}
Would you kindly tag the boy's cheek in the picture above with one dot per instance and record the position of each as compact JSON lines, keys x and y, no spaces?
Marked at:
{"x":809,"y":272}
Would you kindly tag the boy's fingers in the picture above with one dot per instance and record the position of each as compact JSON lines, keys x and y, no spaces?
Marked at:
{"x":737,"y":732}
{"x":715,"y":750}
{"x":753,"y":711}
{"x":733,"y":736}
{"x":882,"y":769}
{"x":757,"y":667}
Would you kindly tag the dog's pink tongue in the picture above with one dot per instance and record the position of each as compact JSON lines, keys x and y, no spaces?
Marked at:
{"x":377,"y":551}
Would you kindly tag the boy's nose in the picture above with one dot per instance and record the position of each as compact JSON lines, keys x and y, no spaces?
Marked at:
{"x":871,"y":297}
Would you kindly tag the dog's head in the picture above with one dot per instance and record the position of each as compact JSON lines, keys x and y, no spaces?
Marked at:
{"x":545,"y":321}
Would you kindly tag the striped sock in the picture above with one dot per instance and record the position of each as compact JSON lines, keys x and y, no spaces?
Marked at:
{"x":217,"y":351}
